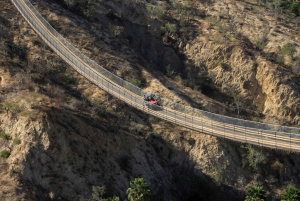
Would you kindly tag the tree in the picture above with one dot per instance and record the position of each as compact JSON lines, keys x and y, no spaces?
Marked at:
{"x":291,"y":194}
{"x":256,"y":157}
{"x":276,"y":4}
{"x":256,"y":193}
{"x":238,"y":102}
{"x":98,"y":192}
{"x":139,"y":190}
{"x":296,"y":8}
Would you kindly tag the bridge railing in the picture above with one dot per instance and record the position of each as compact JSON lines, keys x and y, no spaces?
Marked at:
{"x":268,"y":135}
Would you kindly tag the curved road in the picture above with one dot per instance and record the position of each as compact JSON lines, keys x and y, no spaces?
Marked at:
{"x":190,"y":118}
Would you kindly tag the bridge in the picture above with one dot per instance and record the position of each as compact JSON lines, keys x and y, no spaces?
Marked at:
{"x":250,"y":132}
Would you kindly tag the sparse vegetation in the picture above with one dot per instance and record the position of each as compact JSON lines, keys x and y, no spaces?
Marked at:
{"x":69,"y":79}
{"x":285,"y":109}
{"x":98,"y":107}
{"x":98,"y":193}
{"x":136,"y":82}
{"x":191,"y":81}
{"x":154,"y":120}
{"x":170,"y":71}
{"x":155,"y":11}
{"x":288,"y":49}
{"x":261,"y":44}
{"x":11,"y":106}
{"x":256,"y":157}
{"x":83,"y":7}
{"x":169,"y":28}
{"x":296,"y":67}
{"x":224,"y":65}
{"x":218,"y":175}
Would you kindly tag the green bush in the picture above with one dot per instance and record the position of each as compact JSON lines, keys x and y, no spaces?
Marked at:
{"x":295,"y":8}
{"x":115,"y":30}
{"x":155,"y":11}
{"x":139,"y":190}
{"x":291,"y":194}
{"x":169,"y":28}
{"x":114,"y":199}
{"x":4,"y":154}
{"x":255,"y":193}
{"x":16,"y":141}
{"x":84,"y":7}
{"x":4,"y":136}
{"x":256,"y":158}
{"x":69,"y":79}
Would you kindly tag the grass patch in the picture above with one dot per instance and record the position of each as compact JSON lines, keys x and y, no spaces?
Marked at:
{"x":16,"y":141}
{"x":69,"y":79}
{"x":136,"y":82}
{"x":4,"y":136}
{"x":154,"y":120}
{"x":11,"y":106}
{"x":4,"y":154}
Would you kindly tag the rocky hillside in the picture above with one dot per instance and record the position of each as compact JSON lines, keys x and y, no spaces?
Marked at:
{"x":60,"y":135}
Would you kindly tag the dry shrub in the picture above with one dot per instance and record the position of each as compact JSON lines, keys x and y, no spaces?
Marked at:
{"x":277,"y":165}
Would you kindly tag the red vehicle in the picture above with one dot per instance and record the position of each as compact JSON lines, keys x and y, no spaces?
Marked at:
{"x":150,"y":99}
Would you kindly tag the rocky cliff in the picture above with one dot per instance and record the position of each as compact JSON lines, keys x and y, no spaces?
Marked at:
{"x":64,"y":135}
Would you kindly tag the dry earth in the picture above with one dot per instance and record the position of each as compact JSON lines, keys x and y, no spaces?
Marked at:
{"x":67,"y":146}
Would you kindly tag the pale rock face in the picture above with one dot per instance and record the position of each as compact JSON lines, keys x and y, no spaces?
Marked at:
{"x":267,"y":85}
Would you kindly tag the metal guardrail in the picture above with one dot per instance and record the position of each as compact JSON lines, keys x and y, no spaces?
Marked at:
{"x":267,"y":135}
